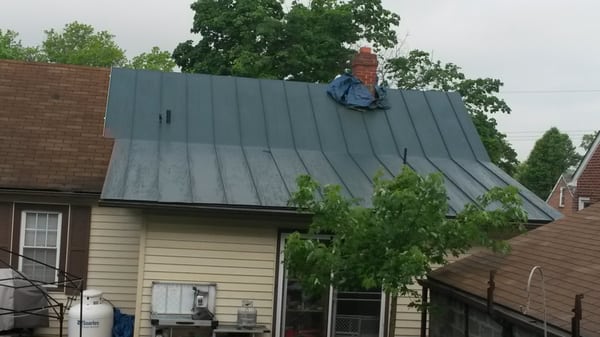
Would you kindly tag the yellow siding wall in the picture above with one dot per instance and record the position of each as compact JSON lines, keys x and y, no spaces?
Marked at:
{"x":113,"y":256}
{"x":113,"y":260}
{"x":408,"y":320}
{"x":239,"y":257}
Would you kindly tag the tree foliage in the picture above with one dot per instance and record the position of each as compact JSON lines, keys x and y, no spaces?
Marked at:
{"x":395,"y":241}
{"x":258,"y":38}
{"x":552,"y":155}
{"x":587,"y":140}
{"x":12,"y":49}
{"x":79,"y":43}
{"x":156,"y":59}
{"x":417,"y":70}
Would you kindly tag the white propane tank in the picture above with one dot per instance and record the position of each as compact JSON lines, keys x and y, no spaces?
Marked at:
{"x":97,"y":316}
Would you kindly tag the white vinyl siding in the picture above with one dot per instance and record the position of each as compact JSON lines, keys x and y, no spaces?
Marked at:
{"x":238,"y":257}
{"x":408,"y":320}
{"x":113,"y":255}
{"x":112,"y":262}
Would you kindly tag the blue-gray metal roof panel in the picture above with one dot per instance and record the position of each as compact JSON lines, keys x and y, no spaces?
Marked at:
{"x":201,"y":139}
{"x":206,"y":182}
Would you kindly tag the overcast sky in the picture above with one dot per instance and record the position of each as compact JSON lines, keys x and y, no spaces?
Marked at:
{"x":545,"y":51}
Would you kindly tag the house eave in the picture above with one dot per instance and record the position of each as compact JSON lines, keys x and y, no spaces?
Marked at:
{"x":46,"y":196}
{"x":283,"y":213}
{"x":586,"y":158}
{"x":499,"y":311}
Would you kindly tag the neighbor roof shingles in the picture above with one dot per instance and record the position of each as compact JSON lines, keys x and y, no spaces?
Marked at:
{"x":568,"y":250}
{"x":52,"y":119}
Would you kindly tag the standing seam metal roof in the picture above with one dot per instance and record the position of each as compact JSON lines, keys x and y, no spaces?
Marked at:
{"x":241,"y":141}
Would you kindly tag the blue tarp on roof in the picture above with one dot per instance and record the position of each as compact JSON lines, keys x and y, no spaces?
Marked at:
{"x":351,"y":92}
{"x":216,"y":140}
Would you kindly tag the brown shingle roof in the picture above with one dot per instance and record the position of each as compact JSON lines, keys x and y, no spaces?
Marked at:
{"x":52,"y":119}
{"x":568,"y":250}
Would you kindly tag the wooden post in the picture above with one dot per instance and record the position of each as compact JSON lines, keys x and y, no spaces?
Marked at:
{"x":490,"y":292}
{"x":576,"y":320}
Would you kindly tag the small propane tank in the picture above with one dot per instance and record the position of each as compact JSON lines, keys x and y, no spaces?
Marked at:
{"x":97,"y":316}
{"x":246,"y":315}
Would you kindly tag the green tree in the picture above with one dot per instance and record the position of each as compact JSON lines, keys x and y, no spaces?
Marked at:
{"x":398,"y":239}
{"x":78,"y":43}
{"x":587,"y":140}
{"x":12,"y":49}
{"x":156,"y":59}
{"x":417,"y":70}
{"x":258,"y":38}
{"x":551,"y":156}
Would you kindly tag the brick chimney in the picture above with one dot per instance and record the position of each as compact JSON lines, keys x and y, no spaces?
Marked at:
{"x":364,"y":67}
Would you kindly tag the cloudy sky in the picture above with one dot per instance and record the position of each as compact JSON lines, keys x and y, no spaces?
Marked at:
{"x":545,"y":51}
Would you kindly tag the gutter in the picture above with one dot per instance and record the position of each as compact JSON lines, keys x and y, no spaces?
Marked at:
{"x":288,"y":213}
{"x":500,"y":312}
{"x":27,"y":195}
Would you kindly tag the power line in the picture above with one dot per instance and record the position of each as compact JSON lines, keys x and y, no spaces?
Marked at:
{"x":542,"y":131}
{"x":551,"y":91}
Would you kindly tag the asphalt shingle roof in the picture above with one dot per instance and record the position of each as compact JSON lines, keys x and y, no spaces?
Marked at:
{"x":52,"y":119}
{"x":568,"y":250}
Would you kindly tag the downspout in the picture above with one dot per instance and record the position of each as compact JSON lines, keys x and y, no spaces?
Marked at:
{"x":424,"y":301}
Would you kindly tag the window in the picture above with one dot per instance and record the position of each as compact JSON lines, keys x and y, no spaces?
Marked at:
{"x":584,"y":202}
{"x":55,"y":234}
{"x":40,"y":241}
{"x":334,"y":313}
{"x":561,"y":197}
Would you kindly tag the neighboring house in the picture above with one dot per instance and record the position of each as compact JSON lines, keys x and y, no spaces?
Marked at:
{"x":52,"y":167}
{"x":572,"y":193}
{"x":202,"y":168}
{"x":568,"y":252}
{"x":562,"y":196}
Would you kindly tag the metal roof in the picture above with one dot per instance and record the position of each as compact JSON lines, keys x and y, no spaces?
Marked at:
{"x":241,"y":141}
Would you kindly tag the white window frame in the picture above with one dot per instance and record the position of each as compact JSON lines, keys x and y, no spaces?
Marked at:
{"x":58,"y":237}
{"x":561,"y":197}
{"x":281,"y":293}
{"x":582,"y":201}
{"x":281,"y":287}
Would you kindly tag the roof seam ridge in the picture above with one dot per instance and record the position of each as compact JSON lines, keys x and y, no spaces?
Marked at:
{"x":337,"y":112}
{"x":427,"y":156}
{"x":311,"y":103}
{"x":450,"y":156}
{"x":364,"y":122}
{"x":214,"y":142}
{"x":287,"y":104}
{"x":520,"y":190}
{"x":130,"y":145}
{"x":437,"y":125}
{"x":159,"y":144}
{"x":460,"y":124}
{"x":241,"y":134}
{"x":187,"y":138}
{"x":262,"y":104}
